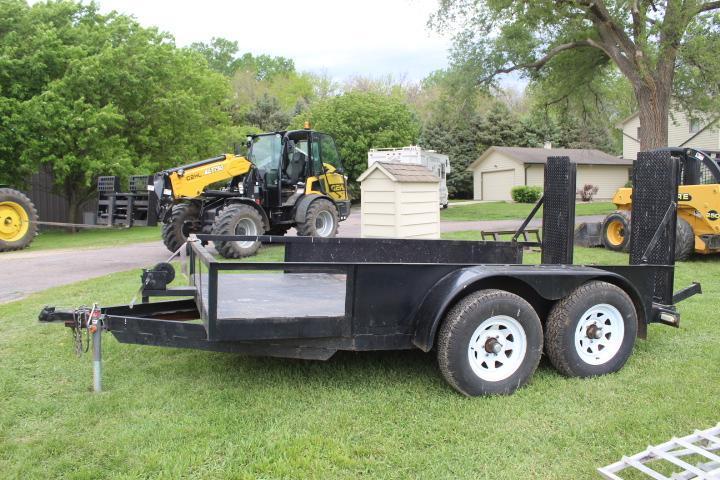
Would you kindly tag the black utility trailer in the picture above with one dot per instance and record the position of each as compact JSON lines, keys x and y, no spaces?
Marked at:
{"x":486,"y":314}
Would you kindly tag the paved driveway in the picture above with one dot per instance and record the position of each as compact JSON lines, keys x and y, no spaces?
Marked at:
{"x":27,"y":272}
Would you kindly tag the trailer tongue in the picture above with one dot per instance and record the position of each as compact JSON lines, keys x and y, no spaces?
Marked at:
{"x":487,"y":315}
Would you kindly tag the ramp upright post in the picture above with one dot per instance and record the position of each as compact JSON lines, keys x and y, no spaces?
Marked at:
{"x":656,"y":175}
{"x":559,"y":211}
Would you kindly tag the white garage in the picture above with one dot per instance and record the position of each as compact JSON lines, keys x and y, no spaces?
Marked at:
{"x":499,"y":169}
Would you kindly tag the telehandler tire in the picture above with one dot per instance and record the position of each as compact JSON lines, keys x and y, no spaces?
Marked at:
{"x":238,"y":219}
{"x":183,"y":217}
{"x":17,"y":220}
{"x":684,"y":240}
{"x":321,"y":220}
{"x":616,"y":231}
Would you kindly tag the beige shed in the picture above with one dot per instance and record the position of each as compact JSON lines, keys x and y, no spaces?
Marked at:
{"x":399,"y":200}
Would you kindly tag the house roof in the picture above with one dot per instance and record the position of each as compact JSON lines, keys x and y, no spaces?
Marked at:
{"x":402,"y":172}
{"x":580,"y":156}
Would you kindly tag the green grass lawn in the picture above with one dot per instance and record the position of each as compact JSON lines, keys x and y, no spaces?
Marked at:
{"x":169,"y":413}
{"x":94,"y":237}
{"x":509,"y":211}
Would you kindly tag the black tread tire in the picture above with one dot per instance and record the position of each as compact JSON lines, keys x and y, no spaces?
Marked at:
{"x":225,"y":224}
{"x":684,"y":240}
{"x":459,"y":325}
{"x":15,"y":196}
{"x":175,"y":231}
{"x":624,"y":217}
{"x":564,"y":318}
{"x":307,"y":227}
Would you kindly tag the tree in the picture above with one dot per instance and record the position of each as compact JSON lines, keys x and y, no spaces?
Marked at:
{"x":360,"y":121}
{"x":267,"y":114}
{"x":220,"y":54}
{"x":88,"y":94}
{"x":649,"y":42}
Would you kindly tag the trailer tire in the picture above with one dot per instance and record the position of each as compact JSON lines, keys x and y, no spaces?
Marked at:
{"x":184,"y":220}
{"x":574,"y":344}
{"x":321,"y":220}
{"x":18,"y":217}
{"x":684,"y":240}
{"x":616,"y":231}
{"x":238,"y":219}
{"x":473,"y":339}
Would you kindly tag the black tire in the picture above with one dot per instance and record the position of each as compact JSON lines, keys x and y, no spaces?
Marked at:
{"x":230,"y":222}
{"x":184,"y":220}
{"x":318,"y":215}
{"x":684,"y":240}
{"x":619,"y":219}
{"x":18,"y":217}
{"x":588,"y":305}
{"x":467,"y":324}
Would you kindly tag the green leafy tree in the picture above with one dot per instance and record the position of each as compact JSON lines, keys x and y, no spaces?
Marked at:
{"x":266,"y":67}
{"x":220,"y":53}
{"x":88,"y":94}
{"x":267,"y":114}
{"x":360,"y":121}
{"x":651,"y":43}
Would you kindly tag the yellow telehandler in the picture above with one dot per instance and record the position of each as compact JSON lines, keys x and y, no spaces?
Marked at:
{"x":288,"y":179}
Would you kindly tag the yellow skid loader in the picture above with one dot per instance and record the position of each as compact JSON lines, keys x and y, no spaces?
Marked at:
{"x":288,"y":179}
{"x":698,"y":207}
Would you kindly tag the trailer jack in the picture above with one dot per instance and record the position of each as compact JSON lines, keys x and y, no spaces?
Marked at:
{"x":87,"y":322}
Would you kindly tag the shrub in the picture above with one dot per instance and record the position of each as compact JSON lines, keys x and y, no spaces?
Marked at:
{"x":526,"y":194}
{"x":587,"y":192}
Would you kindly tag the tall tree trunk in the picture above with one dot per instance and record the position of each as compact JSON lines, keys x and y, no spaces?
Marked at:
{"x":654,"y":105}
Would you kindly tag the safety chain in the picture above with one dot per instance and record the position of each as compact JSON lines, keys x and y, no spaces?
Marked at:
{"x":80,"y":318}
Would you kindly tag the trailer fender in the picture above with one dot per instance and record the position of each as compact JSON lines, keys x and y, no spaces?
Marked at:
{"x":302,"y":206}
{"x":540,"y":287}
{"x":263,"y":215}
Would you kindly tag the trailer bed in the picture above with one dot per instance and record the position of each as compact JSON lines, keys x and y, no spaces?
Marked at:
{"x":275,"y":295}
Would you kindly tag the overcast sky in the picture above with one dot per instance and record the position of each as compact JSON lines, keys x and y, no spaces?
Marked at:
{"x":340,"y":38}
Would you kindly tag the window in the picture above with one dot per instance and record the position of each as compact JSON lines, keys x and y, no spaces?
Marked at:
{"x":694,"y":125}
{"x":265,"y":151}
{"x":324,"y":152}
{"x":638,"y":134}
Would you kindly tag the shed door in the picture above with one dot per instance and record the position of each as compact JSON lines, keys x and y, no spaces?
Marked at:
{"x":497,"y":185}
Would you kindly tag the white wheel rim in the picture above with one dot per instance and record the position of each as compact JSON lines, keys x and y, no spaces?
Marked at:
{"x":324,"y":224}
{"x":497,"y":348}
{"x":245,"y":227}
{"x":599,"y":334}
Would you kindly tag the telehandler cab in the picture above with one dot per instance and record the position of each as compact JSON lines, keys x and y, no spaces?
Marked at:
{"x":288,"y":179}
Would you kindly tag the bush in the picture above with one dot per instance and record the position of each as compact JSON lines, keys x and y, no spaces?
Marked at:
{"x":587,"y":192}
{"x":526,"y":194}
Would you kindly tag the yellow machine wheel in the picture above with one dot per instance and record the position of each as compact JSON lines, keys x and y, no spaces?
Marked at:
{"x":616,"y":231}
{"x":17,"y":220}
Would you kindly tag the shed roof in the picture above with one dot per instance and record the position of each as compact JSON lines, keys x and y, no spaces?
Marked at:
{"x":402,"y":172}
{"x":580,"y":156}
